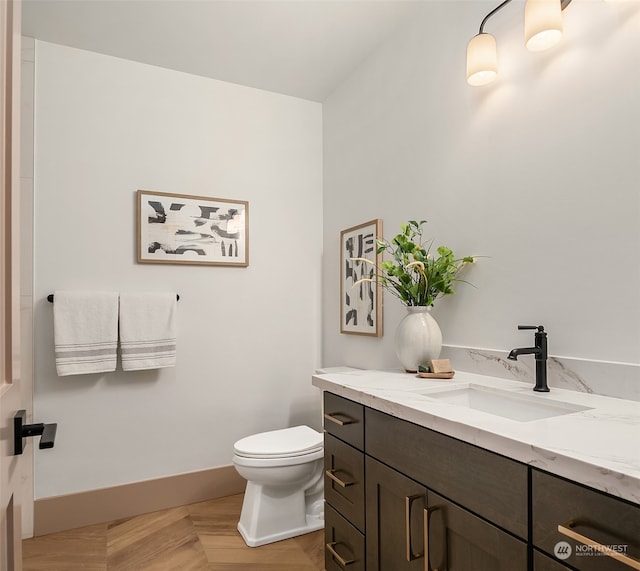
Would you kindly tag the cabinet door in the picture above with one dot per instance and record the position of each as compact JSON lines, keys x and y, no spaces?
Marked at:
{"x":460,"y":541}
{"x":395,"y":532}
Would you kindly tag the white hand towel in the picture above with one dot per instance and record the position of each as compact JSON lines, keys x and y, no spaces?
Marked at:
{"x":147,"y":330}
{"x":85,"y":331}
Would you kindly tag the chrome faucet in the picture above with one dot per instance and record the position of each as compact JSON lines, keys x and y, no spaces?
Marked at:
{"x":540,"y":352}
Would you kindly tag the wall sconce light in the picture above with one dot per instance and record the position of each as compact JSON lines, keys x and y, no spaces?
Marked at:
{"x":482,"y":54}
{"x":542,"y":29}
{"x":542,"y":24}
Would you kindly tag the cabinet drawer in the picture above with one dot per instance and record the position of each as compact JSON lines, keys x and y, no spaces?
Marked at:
{"x":344,"y":544}
{"x":597,"y":517}
{"x":344,"y":419}
{"x":344,"y":479}
{"x":488,"y":484}
{"x":458,"y":539}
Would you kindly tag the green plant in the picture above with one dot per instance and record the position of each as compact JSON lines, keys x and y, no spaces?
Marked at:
{"x":413,"y":274}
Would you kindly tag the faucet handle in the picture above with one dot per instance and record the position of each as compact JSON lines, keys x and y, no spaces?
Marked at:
{"x":538,"y":327}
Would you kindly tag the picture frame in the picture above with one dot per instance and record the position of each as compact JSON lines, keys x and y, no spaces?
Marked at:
{"x":188,"y":229}
{"x":360,"y":305}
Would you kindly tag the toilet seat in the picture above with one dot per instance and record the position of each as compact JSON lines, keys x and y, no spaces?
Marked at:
{"x":285,"y":443}
{"x":276,"y":462}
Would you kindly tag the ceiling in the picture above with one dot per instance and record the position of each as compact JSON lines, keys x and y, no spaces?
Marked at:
{"x":303,"y":48}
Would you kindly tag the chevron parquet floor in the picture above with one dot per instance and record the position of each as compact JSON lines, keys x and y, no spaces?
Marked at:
{"x":199,"y":537}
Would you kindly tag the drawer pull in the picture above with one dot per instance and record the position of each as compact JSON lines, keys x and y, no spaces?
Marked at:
{"x":342,"y":562}
{"x":333,"y":418}
{"x":567,"y":529}
{"x":408,"y":502}
{"x":331,"y":474}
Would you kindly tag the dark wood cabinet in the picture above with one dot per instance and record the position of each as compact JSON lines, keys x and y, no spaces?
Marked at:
{"x":486,"y":483}
{"x":400,"y":496}
{"x":407,"y":522}
{"x":395,"y":529}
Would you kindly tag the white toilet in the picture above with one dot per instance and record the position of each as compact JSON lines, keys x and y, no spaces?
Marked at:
{"x":285,"y":486}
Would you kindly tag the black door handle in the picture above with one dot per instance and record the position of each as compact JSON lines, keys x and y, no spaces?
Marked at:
{"x":47,"y":432}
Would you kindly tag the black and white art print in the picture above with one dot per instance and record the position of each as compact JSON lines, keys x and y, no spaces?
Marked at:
{"x":360,"y":301}
{"x":185,"y":229}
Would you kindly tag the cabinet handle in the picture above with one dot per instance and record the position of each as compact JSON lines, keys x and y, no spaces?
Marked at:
{"x":333,"y":418}
{"x":342,"y":562}
{"x":408,"y":502}
{"x":426,"y":539}
{"x":567,"y":529}
{"x":331,"y":474}
{"x":427,"y":516}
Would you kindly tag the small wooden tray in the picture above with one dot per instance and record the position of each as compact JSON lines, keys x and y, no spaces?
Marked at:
{"x":448,"y":375}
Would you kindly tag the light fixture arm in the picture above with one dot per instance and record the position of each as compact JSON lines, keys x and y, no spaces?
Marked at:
{"x":496,"y":9}
{"x":563,"y":5}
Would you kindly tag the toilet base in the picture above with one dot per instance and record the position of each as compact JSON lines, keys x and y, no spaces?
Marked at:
{"x":268,"y":515}
{"x":314,"y":523}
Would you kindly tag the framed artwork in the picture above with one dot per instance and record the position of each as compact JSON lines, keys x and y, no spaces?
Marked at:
{"x":360,"y":303}
{"x":186,"y":229}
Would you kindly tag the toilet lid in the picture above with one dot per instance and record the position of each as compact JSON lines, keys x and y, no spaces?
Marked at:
{"x":282,"y":443}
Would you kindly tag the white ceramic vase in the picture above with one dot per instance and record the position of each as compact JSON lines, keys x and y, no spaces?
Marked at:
{"x":418,"y":338}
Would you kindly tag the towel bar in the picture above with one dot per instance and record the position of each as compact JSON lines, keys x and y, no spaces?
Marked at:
{"x":50,"y":298}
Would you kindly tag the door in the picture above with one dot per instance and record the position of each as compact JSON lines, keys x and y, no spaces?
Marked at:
{"x":394,"y":519}
{"x":11,"y":466}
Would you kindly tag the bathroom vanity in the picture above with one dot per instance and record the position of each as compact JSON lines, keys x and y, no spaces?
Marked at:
{"x":477,"y":474}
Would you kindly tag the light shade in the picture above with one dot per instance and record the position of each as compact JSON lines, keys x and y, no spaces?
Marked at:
{"x":482,"y":59}
{"x":542,"y":24}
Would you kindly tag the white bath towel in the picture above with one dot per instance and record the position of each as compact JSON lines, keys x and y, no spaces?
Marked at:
{"x":147,"y":330}
{"x":85,"y":328}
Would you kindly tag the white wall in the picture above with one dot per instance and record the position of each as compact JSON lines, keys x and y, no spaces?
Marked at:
{"x":540,"y":172}
{"x":248,"y":339}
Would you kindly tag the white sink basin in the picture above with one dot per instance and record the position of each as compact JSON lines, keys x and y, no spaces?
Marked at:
{"x":506,"y":404}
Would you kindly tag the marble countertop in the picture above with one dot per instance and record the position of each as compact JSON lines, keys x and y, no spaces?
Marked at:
{"x":598,"y":446}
